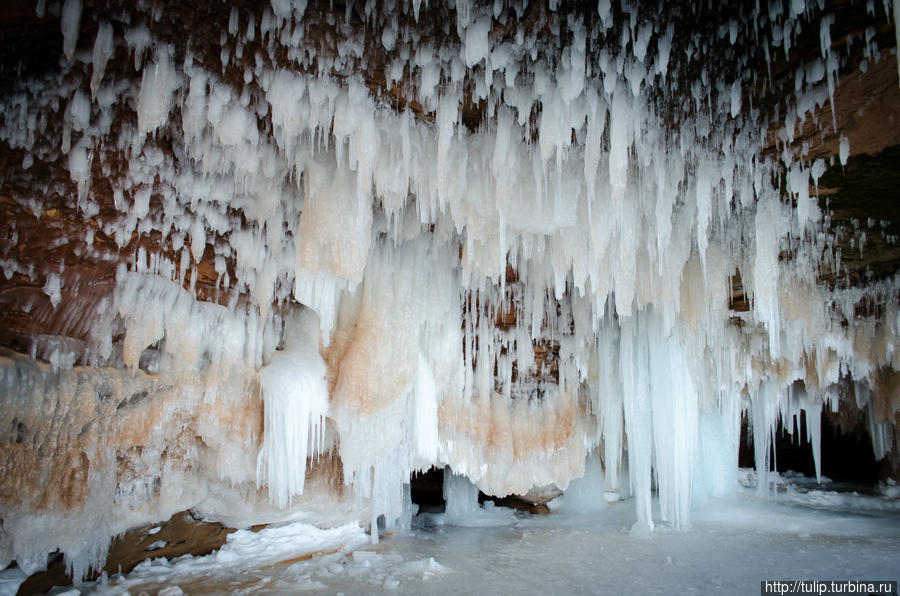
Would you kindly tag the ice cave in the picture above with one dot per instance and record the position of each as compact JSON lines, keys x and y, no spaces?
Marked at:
{"x":444,"y":296}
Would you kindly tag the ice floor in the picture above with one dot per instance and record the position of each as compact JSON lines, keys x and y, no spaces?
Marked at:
{"x":730,"y":546}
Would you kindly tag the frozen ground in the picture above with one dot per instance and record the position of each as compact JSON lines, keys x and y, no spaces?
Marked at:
{"x":729,"y":548}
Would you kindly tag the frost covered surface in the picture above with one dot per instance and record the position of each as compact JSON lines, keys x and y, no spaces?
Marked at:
{"x":245,"y":554}
{"x":732,"y":546}
{"x":295,"y":557}
{"x":502,"y":296}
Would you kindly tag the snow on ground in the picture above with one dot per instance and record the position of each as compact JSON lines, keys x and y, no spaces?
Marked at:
{"x":731,"y":546}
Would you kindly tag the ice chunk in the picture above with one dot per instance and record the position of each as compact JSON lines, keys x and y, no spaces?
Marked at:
{"x":52,"y":289}
{"x":477,"y":44}
{"x":461,"y":496}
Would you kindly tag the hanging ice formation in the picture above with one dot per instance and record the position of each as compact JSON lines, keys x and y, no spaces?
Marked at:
{"x":503,"y":293}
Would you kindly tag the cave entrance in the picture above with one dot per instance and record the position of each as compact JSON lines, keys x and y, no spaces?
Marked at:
{"x":427,"y":490}
{"x":847,"y":456}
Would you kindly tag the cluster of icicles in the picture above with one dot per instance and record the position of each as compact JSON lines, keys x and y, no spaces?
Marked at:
{"x":393,"y":228}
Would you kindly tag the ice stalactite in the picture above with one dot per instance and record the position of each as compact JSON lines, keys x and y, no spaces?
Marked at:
{"x":608,"y":402}
{"x":504,"y":293}
{"x":295,"y":392}
{"x":70,"y":21}
{"x":897,"y":34}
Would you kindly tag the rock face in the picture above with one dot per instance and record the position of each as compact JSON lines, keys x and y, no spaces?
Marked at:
{"x":266,"y":259}
{"x":96,"y":450}
{"x":93,"y":452}
{"x":182,"y":534}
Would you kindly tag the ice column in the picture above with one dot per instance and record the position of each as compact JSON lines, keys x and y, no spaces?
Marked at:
{"x":296,"y":402}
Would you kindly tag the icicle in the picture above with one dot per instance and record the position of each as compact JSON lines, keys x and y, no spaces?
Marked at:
{"x":70,"y":21}
{"x":103,"y":51}
{"x":610,"y":398}
{"x":814,"y":429}
{"x":158,"y":85}
{"x":634,"y":366}
{"x":831,"y":65}
{"x":295,"y":393}
{"x":897,"y":33}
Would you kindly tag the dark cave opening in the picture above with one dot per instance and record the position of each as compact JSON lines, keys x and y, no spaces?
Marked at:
{"x":427,"y":490}
{"x":846,"y":456}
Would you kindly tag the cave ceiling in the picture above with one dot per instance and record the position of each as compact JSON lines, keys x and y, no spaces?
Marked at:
{"x":44,"y":227}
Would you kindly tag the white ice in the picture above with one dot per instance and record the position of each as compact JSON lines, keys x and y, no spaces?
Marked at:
{"x":733,"y":546}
